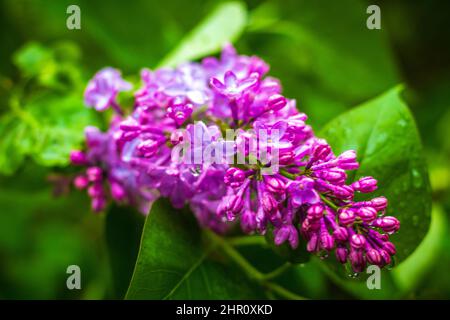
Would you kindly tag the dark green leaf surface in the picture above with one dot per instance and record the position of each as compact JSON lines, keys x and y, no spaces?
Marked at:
{"x":385,"y":137}
{"x":123,"y":234}
{"x":172,"y":263}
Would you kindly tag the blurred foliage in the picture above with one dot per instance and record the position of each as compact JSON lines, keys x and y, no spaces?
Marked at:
{"x":325,"y":57}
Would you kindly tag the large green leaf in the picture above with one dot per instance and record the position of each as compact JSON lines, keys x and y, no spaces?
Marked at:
{"x":173,"y":264}
{"x":223,"y":25}
{"x":123,"y":231}
{"x":384,"y":134}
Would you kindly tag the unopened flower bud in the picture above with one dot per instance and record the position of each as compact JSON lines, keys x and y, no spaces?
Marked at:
{"x":347,"y":217}
{"x":341,"y":254}
{"x":275,"y":185}
{"x":340,"y":234}
{"x":234,"y":177}
{"x":94,"y":174}
{"x":80,"y":182}
{"x":367,"y":214}
{"x":347,"y":160}
{"x":315,"y":212}
{"x":357,"y":241}
{"x":379,"y":203}
{"x":276,"y":102}
{"x":365,"y":185}
{"x":373,"y":257}
{"x":78,"y":158}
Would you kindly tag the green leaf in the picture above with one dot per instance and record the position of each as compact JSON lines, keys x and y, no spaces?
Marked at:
{"x":15,"y":143}
{"x":62,"y":123}
{"x":46,"y":128}
{"x":32,"y":58}
{"x":385,"y":137}
{"x":223,"y":25}
{"x":409,"y":274}
{"x":174,"y":264}
{"x":341,"y":57}
{"x":42,"y":235}
{"x":123,"y":234}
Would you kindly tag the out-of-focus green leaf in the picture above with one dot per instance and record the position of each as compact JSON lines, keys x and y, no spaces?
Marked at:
{"x":123,"y":235}
{"x":333,"y":47}
{"x":52,"y":67}
{"x":173,"y":264}
{"x":32,"y":59}
{"x":223,"y":25}
{"x":15,"y":143}
{"x":41,"y":235}
{"x":385,"y":137}
{"x":410,"y":272}
{"x":47,"y":129}
{"x":46,"y":116}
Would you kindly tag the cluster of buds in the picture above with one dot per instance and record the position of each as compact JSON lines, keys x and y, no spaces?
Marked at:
{"x":289,"y":180}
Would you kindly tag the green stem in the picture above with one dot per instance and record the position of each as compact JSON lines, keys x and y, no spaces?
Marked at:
{"x":329,"y":202}
{"x":253,"y":273}
{"x":278,"y":271}
{"x":247,"y":241}
{"x":282,"y":292}
{"x":288,"y":175}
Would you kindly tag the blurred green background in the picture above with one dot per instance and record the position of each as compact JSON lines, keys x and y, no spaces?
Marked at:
{"x":324,"y":55}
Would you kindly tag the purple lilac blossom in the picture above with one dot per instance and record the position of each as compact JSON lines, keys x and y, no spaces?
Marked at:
{"x":305,"y":201}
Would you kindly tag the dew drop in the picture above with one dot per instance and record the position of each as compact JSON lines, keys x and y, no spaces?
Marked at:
{"x":402,"y":123}
{"x":323,"y":255}
{"x":416,"y":178}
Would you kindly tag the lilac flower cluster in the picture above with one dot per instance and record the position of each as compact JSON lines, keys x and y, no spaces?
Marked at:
{"x":305,"y":196}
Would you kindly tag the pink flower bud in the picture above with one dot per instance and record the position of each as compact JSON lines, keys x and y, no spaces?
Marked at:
{"x":340,"y":234}
{"x":98,"y":204}
{"x":80,"y":182}
{"x":357,"y":241}
{"x":379,"y":203}
{"x":78,"y":158}
{"x":234,"y":177}
{"x":365,"y":185}
{"x":347,"y":160}
{"x":315,"y":212}
{"x":275,"y":185}
{"x":94,"y":174}
{"x":347,"y":217}
{"x":367,"y":214}
{"x":96,"y":190}
{"x":373,"y":257}
{"x":341,"y":254}
{"x":248,"y":221}
{"x":389,"y":247}
{"x":117,"y":191}
{"x":276,"y":102}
